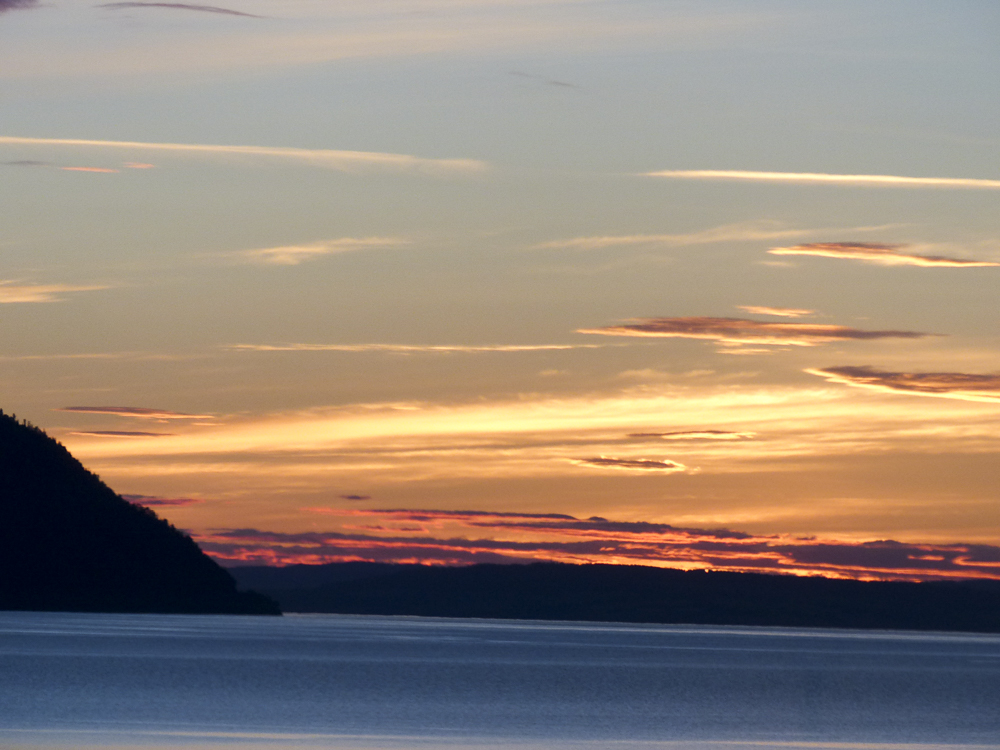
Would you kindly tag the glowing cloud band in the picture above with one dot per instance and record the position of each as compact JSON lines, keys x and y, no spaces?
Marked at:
{"x":874,"y":180}
{"x":345,"y":161}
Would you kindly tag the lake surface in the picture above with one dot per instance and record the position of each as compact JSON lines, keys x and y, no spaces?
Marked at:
{"x":400,"y":683}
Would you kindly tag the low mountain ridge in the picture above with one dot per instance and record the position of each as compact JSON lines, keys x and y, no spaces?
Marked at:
{"x":69,"y":543}
{"x":628,"y":593}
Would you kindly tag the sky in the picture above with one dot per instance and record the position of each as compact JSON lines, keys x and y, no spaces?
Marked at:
{"x":697,"y":285}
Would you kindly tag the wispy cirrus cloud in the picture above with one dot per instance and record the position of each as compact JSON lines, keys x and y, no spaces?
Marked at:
{"x":630,"y":464}
{"x":137,"y":412}
{"x":696,"y":435}
{"x":749,"y":231}
{"x":958,"y":385}
{"x":15,"y":291}
{"x":450,"y":537}
{"x":48,"y":164}
{"x":863,"y":180}
{"x":136,"y":356}
{"x":886,"y":255}
{"x":152,"y":501}
{"x":120,"y":433}
{"x":345,"y":161}
{"x":99,"y":170}
{"x":744,"y":331}
{"x":293,"y":255}
{"x":778,"y":312}
{"x":411,"y":348}
{"x":179,"y":6}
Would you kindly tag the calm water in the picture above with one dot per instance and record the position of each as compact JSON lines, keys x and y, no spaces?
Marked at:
{"x":361,"y":683}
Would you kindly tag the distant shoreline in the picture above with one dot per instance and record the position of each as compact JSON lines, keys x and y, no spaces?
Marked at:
{"x":627,"y":594}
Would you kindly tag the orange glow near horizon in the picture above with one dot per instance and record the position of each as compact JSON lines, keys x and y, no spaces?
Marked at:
{"x":515,"y":538}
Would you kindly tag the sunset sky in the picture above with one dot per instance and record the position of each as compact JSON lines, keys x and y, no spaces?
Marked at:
{"x":699,"y":284}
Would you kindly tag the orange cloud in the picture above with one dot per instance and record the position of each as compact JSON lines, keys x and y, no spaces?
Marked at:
{"x":89,"y":169}
{"x":958,"y":385}
{"x":520,"y":537}
{"x":743,"y":331}
{"x":779,"y":312}
{"x":119,"y":433}
{"x":886,"y":255}
{"x":744,"y":232}
{"x":632,"y":464}
{"x":137,"y":412}
{"x":293,"y":255}
{"x":13,"y":292}
{"x":696,"y":435}
{"x":411,"y":348}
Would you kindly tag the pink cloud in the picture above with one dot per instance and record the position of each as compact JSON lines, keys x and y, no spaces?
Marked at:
{"x":485,"y":536}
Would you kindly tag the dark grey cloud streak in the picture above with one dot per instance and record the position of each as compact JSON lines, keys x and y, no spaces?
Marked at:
{"x":745,"y":331}
{"x":6,"y":5}
{"x":960,"y":385}
{"x":178,"y":6}
{"x":568,"y":539}
{"x":151,"y":501}
{"x":642,"y":464}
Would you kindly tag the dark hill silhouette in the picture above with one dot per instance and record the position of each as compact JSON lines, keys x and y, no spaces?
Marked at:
{"x":68,"y":542}
{"x":628,"y":593}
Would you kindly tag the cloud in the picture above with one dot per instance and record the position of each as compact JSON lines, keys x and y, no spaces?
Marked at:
{"x":696,"y":435}
{"x":543,"y":79}
{"x":958,"y":385}
{"x":632,"y":464}
{"x":136,"y":356}
{"x":410,"y":348}
{"x":536,"y":437}
{"x":12,"y":292}
{"x":293,"y":255}
{"x":741,"y":330}
{"x":150,"y":501}
{"x":356,"y":497}
{"x":779,"y":312}
{"x":102,"y":170}
{"x":6,"y":5}
{"x":741,"y":232}
{"x":345,"y":161}
{"x":866,"y":180}
{"x":525,"y":521}
{"x":26,"y":162}
{"x":313,"y":33}
{"x":120,"y":433}
{"x":526,"y":537}
{"x":137,"y":412}
{"x":887,"y":255}
{"x":423,"y":514}
{"x":178,"y":6}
